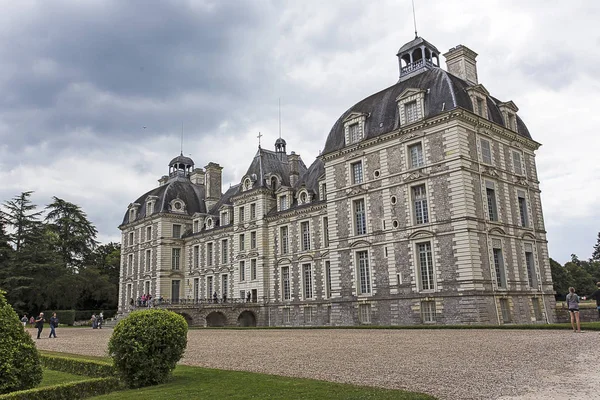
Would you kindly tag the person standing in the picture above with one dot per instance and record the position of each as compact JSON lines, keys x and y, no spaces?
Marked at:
{"x":39,"y":324}
{"x":53,"y":325}
{"x":573,"y":305}
{"x":596,"y":296}
{"x":24,"y":320}
{"x":100,"y":320}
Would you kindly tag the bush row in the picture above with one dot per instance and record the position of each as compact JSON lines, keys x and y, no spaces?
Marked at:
{"x":66,"y":317}
{"x":67,"y":391}
{"x":78,"y":366}
{"x":83,"y":315}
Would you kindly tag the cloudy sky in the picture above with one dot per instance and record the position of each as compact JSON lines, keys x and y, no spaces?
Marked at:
{"x":79,"y":81}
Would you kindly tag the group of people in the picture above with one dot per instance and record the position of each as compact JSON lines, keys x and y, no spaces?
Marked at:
{"x":573,"y":305}
{"x":39,"y":323}
{"x":97,"y":321}
{"x":144,"y":300}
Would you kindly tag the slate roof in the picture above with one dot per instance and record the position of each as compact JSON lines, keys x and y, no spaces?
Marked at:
{"x":181,"y":159}
{"x":272,"y":163}
{"x":417,"y":42}
{"x":446,"y":92}
{"x":310,"y":179}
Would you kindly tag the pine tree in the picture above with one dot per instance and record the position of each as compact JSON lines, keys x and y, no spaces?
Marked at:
{"x":20,"y":214}
{"x":596,"y":253}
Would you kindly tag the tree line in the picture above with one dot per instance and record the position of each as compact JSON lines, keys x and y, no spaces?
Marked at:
{"x":580,"y":274}
{"x":50,"y":258}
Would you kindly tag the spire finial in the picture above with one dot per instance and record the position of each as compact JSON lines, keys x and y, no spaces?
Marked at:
{"x":280,"y":118}
{"x":181,"y":137}
{"x":414,"y":18}
{"x":259,"y":136}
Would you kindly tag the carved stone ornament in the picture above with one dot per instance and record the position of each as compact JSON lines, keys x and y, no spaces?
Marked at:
{"x":490,"y":171}
{"x":521,"y":181}
{"x":415,"y":175}
{"x":356,"y":190}
{"x":354,"y":154}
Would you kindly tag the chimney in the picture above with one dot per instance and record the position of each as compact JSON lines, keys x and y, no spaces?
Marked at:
{"x":213,"y":184}
{"x":460,"y":61}
{"x":293,"y":159}
{"x":163,"y":179}
{"x":197,"y":176}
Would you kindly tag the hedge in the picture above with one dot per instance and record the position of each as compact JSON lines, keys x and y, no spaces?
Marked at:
{"x":86,"y":315}
{"x":67,"y":391}
{"x":66,"y":317}
{"x":78,"y":366}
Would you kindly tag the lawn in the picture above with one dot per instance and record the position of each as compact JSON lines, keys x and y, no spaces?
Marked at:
{"x":51,"y":378}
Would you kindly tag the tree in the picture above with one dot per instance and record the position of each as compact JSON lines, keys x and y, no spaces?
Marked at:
{"x":560,"y":279}
{"x":580,"y":279}
{"x":596,"y":253}
{"x":22,"y":217}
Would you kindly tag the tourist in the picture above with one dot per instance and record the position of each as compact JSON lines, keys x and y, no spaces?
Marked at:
{"x":31,"y":321}
{"x":573,"y":306}
{"x":94,"y":322}
{"x":248,"y":296}
{"x":131,"y":302}
{"x":224,"y":297}
{"x":53,"y":325}
{"x":596,"y":296}
{"x":100,"y":320}
{"x":215,"y":297}
{"x":149,"y":300}
{"x":24,"y":320}
{"x":39,"y":324}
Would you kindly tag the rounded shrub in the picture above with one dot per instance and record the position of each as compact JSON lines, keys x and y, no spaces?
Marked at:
{"x":20,"y":366}
{"x":146,"y":346}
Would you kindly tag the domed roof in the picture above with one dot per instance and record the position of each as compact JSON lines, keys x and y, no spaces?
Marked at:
{"x":444,"y":92}
{"x":280,"y":141}
{"x":417,"y":42}
{"x":181,"y":159}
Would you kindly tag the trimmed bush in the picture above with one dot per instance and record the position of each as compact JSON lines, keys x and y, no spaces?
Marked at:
{"x":146,"y":346}
{"x":20,"y":366}
{"x":66,"y":317}
{"x":73,"y":390}
{"x":76,"y":366}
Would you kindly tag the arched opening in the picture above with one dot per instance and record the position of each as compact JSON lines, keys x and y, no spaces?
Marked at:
{"x":247,"y":318}
{"x":417,"y":55}
{"x":188,"y":318}
{"x":216,"y":318}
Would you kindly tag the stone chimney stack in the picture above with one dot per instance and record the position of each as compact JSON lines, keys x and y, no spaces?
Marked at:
{"x":197,"y":176}
{"x":294,"y":160}
{"x":163,"y":179}
{"x":460,"y":61}
{"x":213,"y":184}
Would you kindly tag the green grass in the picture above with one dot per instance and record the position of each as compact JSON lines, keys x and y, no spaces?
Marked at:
{"x":52,"y":378}
{"x":195,"y":382}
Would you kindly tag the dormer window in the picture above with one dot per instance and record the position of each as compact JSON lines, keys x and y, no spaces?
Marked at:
{"x":131,"y":214}
{"x":149,"y":208}
{"x":479,"y":95}
{"x":224,"y":218}
{"x":196,"y":225}
{"x":355,"y":133}
{"x":411,"y":106}
{"x":410,"y":112}
{"x":509,"y":114}
{"x":209,"y":223}
{"x":177,"y":206}
{"x":247,"y":184}
{"x":283,"y":203}
{"x":354,"y":127}
{"x":303,"y":197}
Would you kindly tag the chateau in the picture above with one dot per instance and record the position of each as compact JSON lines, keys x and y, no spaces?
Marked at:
{"x":423,"y":208}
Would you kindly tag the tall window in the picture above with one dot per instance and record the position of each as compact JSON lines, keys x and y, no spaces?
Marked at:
{"x":499,"y":266}
{"x":283,"y":203}
{"x":308,"y":286}
{"x":415,"y":152}
{"x":305,"y":228}
{"x":242,"y":270}
{"x":130,"y":264}
{"x":360,"y":217}
{"x":286,"y":315}
{"x":196,"y":288}
{"x":175,"y":255}
{"x":308,"y":315}
{"x":196,"y":226}
{"x":252,"y":240}
{"x":224,"y":251}
{"x":323,"y":192}
{"x":537,"y":309}
{"x":420,"y":202}
{"x":480,"y":107}
{"x":209,"y":286}
{"x":284,"y":240}
{"x":491,"y":201}
{"x":253,"y":211}
{"x":197,"y":257}
{"x":505,"y":309}
{"x":428,"y":311}
{"x":176,"y":231}
{"x":148,"y":259}
{"x":486,"y":152}
{"x":131,"y":238}
{"x":253,"y":269}
{"x":426,"y":266}
{"x":209,"y":254}
{"x":529,"y":263}
{"x":149,"y":208}
{"x":242,"y":242}
{"x":364,"y":273}
{"x":354,"y":133}
{"x":224,"y":218}
{"x":285,"y":283}
{"x":410,"y":112}
{"x":328,"y":279}
{"x":357,"y":172}
{"x":241,"y":214}
{"x":224,"y":284}
{"x":523,"y":209}
{"x":148,"y":233}
{"x":512,"y":122}
{"x":364,"y":313}
{"x":517,"y":164}
{"x":325,"y":232}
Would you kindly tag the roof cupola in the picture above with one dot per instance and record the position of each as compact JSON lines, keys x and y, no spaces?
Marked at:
{"x":417,"y":56}
{"x":181,"y":166}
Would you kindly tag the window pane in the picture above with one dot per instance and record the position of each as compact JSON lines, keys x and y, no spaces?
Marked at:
{"x":410,"y":111}
{"x":523,"y":210}
{"x":486,"y":153}
{"x":426,"y":266}
{"x":284,"y":240}
{"x":176,"y":231}
{"x":354,"y":133}
{"x":499,"y":266}
{"x":491,"y":200}
{"x":531,"y":278}
{"x":420,"y":202}
{"x":285,"y":282}
{"x":360,"y":217}
{"x":416,"y":155}
{"x":308,"y":289}
{"x":305,"y":235}
{"x":357,"y":173}
{"x":364,"y":273}
{"x":517,"y":165}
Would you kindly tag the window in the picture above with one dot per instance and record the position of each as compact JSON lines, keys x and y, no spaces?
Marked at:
{"x":253,"y":211}
{"x":196,"y":288}
{"x":486,"y":152}
{"x":537,"y":309}
{"x":305,"y":228}
{"x":357,"y":172}
{"x":242,"y":242}
{"x":177,"y":231}
{"x":360,"y":217}
{"x":303,"y":198}
{"x":224,"y":284}
{"x":420,"y":202}
{"x":175,"y":256}
{"x":253,"y":240}
{"x":517,"y":165}
{"x":241,"y":214}
{"x":307,"y":275}
{"x":283,"y":204}
{"x":286,"y":315}
{"x":148,"y":233}
{"x":365,"y":313}
{"x":415,"y":152}
{"x":499,"y":266}
{"x":505,"y":309}
{"x":197,"y":257}
{"x":224,"y":251}
{"x":242,"y":270}
{"x":530,"y":265}
{"x":323,"y":192}
{"x":209,"y":223}
{"x":247,"y":184}
{"x":224,"y":218}
{"x":364,"y":273}
{"x":148,"y":259}
{"x":480,"y":107}
{"x":328,"y":316}
{"x":325,"y":232}
{"x":522,"y":209}
{"x":410,"y":112}
{"x":308,"y":315}
{"x":285,"y":283}
{"x":243,"y":295}
{"x":327,"y":279}
{"x":253,"y":269}
{"x":425,"y":266}
{"x":491,"y":201}
{"x":428,"y":311}
{"x":284,"y":240}
{"x":209,"y":254}
{"x":512,"y":122}
{"x":131,"y":238}
{"x":130,"y":264}
{"x":209,"y":286}
{"x":149,"y":208}
{"x":354,"y":133}
{"x":196,"y":226}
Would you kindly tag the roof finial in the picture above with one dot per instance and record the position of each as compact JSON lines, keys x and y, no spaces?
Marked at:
{"x":280,"y":118}
{"x":414,"y":18}
{"x":181,"y":151}
{"x":259,"y":136}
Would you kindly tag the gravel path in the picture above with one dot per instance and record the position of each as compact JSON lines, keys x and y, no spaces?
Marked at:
{"x":449,"y":364}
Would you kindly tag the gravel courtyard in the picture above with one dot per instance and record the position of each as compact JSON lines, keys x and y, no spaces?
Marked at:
{"x":449,"y":364}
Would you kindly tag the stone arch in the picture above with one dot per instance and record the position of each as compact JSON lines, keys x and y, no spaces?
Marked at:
{"x":188,"y":318}
{"x":247,"y":318}
{"x":216,"y":318}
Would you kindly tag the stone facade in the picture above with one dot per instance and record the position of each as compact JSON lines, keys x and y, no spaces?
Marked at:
{"x":424,"y":208}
